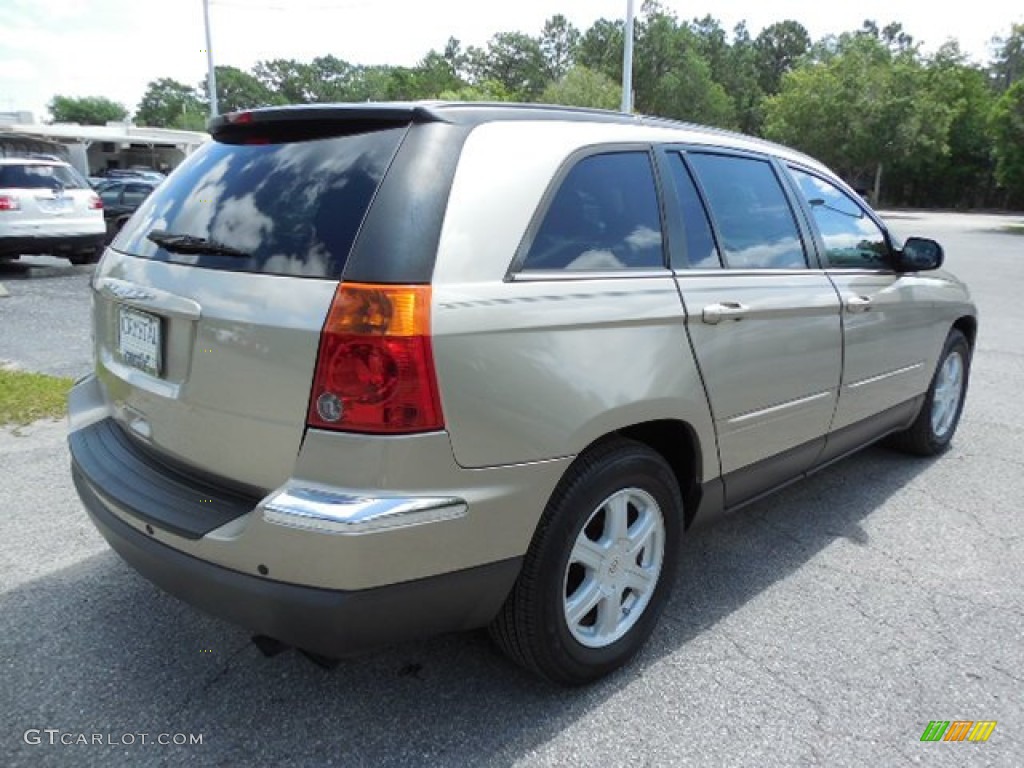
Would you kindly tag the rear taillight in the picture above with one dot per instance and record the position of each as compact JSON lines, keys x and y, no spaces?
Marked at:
{"x":375,"y":369}
{"x":8,"y":203}
{"x":95,"y":203}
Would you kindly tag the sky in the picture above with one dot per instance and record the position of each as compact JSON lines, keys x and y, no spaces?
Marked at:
{"x":114,"y":48}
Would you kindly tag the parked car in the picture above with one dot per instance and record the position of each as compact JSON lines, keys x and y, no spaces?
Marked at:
{"x":47,"y":207}
{"x":121,"y":197}
{"x":368,"y":372}
{"x":131,"y":173}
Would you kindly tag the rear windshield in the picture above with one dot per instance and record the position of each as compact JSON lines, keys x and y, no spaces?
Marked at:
{"x":40,"y":177}
{"x":289,"y":208}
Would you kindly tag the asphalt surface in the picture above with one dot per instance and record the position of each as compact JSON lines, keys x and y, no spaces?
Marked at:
{"x":44,"y":321}
{"x":826,"y":625}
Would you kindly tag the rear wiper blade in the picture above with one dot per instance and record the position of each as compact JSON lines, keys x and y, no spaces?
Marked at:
{"x":192,"y":244}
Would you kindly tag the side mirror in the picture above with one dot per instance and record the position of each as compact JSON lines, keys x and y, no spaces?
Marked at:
{"x":919,"y":254}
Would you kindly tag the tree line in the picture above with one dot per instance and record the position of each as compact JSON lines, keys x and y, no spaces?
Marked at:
{"x":924,"y":130}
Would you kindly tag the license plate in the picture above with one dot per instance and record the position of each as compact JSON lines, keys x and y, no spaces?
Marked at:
{"x":56,"y":205}
{"x":138,"y":340}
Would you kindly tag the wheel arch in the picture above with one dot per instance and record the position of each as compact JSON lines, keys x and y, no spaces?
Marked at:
{"x":968,"y":326}
{"x":677,"y":442}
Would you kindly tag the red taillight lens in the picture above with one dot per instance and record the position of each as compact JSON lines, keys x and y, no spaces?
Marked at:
{"x":95,"y":203}
{"x":8,"y":203}
{"x":375,"y":369}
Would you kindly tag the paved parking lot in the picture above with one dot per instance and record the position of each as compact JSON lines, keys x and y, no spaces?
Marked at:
{"x":826,"y":625}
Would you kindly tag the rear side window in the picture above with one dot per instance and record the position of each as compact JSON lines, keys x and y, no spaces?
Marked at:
{"x":285,"y":208}
{"x":40,"y":177}
{"x":756,"y":226}
{"x":604,"y":216}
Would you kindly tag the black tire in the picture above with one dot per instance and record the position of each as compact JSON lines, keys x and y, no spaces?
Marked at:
{"x":115,"y":229}
{"x":921,"y":439}
{"x":86,"y":257}
{"x":531,"y":627}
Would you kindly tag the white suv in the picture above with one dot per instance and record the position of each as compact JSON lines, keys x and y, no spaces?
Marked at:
{"x":47,"y":207}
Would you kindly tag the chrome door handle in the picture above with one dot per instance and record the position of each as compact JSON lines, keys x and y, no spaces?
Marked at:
{"x":727,"y":310}
{"x":856,"y":304}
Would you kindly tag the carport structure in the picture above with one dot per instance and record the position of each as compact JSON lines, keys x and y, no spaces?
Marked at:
{"x":92,"y":148}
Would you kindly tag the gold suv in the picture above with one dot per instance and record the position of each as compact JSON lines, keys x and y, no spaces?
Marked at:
{"x":367,"y":372}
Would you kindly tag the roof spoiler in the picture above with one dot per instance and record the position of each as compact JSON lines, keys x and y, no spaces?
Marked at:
{"x":328,"y":119}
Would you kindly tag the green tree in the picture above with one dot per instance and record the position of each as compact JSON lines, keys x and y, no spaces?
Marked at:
{"x":861,"y":110}
{"x":488,"y":90}
{"x":1008,"y":65}
{"x":432,"y":76}
{"x":86,"y":110}
{"x":891,"y":35}
{"x":962,"y":175}
{"x":582,"y":87}
{"x":600,"y":48}
{"x":168,"y":103}
{"x":779,"y":47}
{"x":712,"y":44}
{"x":330,"y":79}
{"x":513,"y":59}
{"x":291,"y":79}
{"x":456,"y":58}
{"x":671,"y":78}
{"x":369,"y":83}
{"x":238,"y":90}
{"x":558,"y":43}
{"x":1008,"y":129}
{"x":742,"y":81}
{"x":733,"y":66}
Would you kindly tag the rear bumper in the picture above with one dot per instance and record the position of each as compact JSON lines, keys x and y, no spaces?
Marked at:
{"x":355,"y":512}
{"x":51,"y":244}
{"x":329,"y":622}
{"x":328,"y":567}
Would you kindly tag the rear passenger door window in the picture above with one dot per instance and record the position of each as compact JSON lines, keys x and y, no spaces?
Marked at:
{"x":756,"y":226}
{"x":851,"y":238}
{"x":701,"y":251}
{"x":604,"y":216}
{"x":134,"y":194}
{"x":111,"y":195}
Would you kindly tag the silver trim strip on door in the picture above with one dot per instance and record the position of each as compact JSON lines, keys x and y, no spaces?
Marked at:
{"x":777,"y":408}
{"x":883,"y":376}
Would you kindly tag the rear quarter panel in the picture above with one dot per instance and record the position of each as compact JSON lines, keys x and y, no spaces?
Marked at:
{"x":539,"y":369}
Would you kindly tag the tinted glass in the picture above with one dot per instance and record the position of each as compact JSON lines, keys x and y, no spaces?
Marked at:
{"x":754,"y":220}
{"x":40,"y":177}
{"x":701,"y":251}
{"x":134,"y":194}
{"x":111,"y":194}
{"x":293,"y":207}
{"x":851,"y":238}
{"x":604,"y":216}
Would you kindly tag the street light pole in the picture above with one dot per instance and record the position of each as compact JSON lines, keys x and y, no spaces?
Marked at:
{"x":211,"y":77}
{"x":627,"y":61}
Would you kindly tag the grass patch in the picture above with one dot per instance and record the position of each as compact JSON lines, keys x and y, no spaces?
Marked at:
{"x":1014,"y":229}
{"x":25,"y":397}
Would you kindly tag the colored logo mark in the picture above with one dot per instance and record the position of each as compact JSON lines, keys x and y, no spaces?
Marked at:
{"x":958,"y":730}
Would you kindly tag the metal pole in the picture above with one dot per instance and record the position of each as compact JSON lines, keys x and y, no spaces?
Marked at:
{"x":211,"y":77}
{"x":627,"y":61}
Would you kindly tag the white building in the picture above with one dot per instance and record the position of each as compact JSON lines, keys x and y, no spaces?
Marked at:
{"x":92,"y":148}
